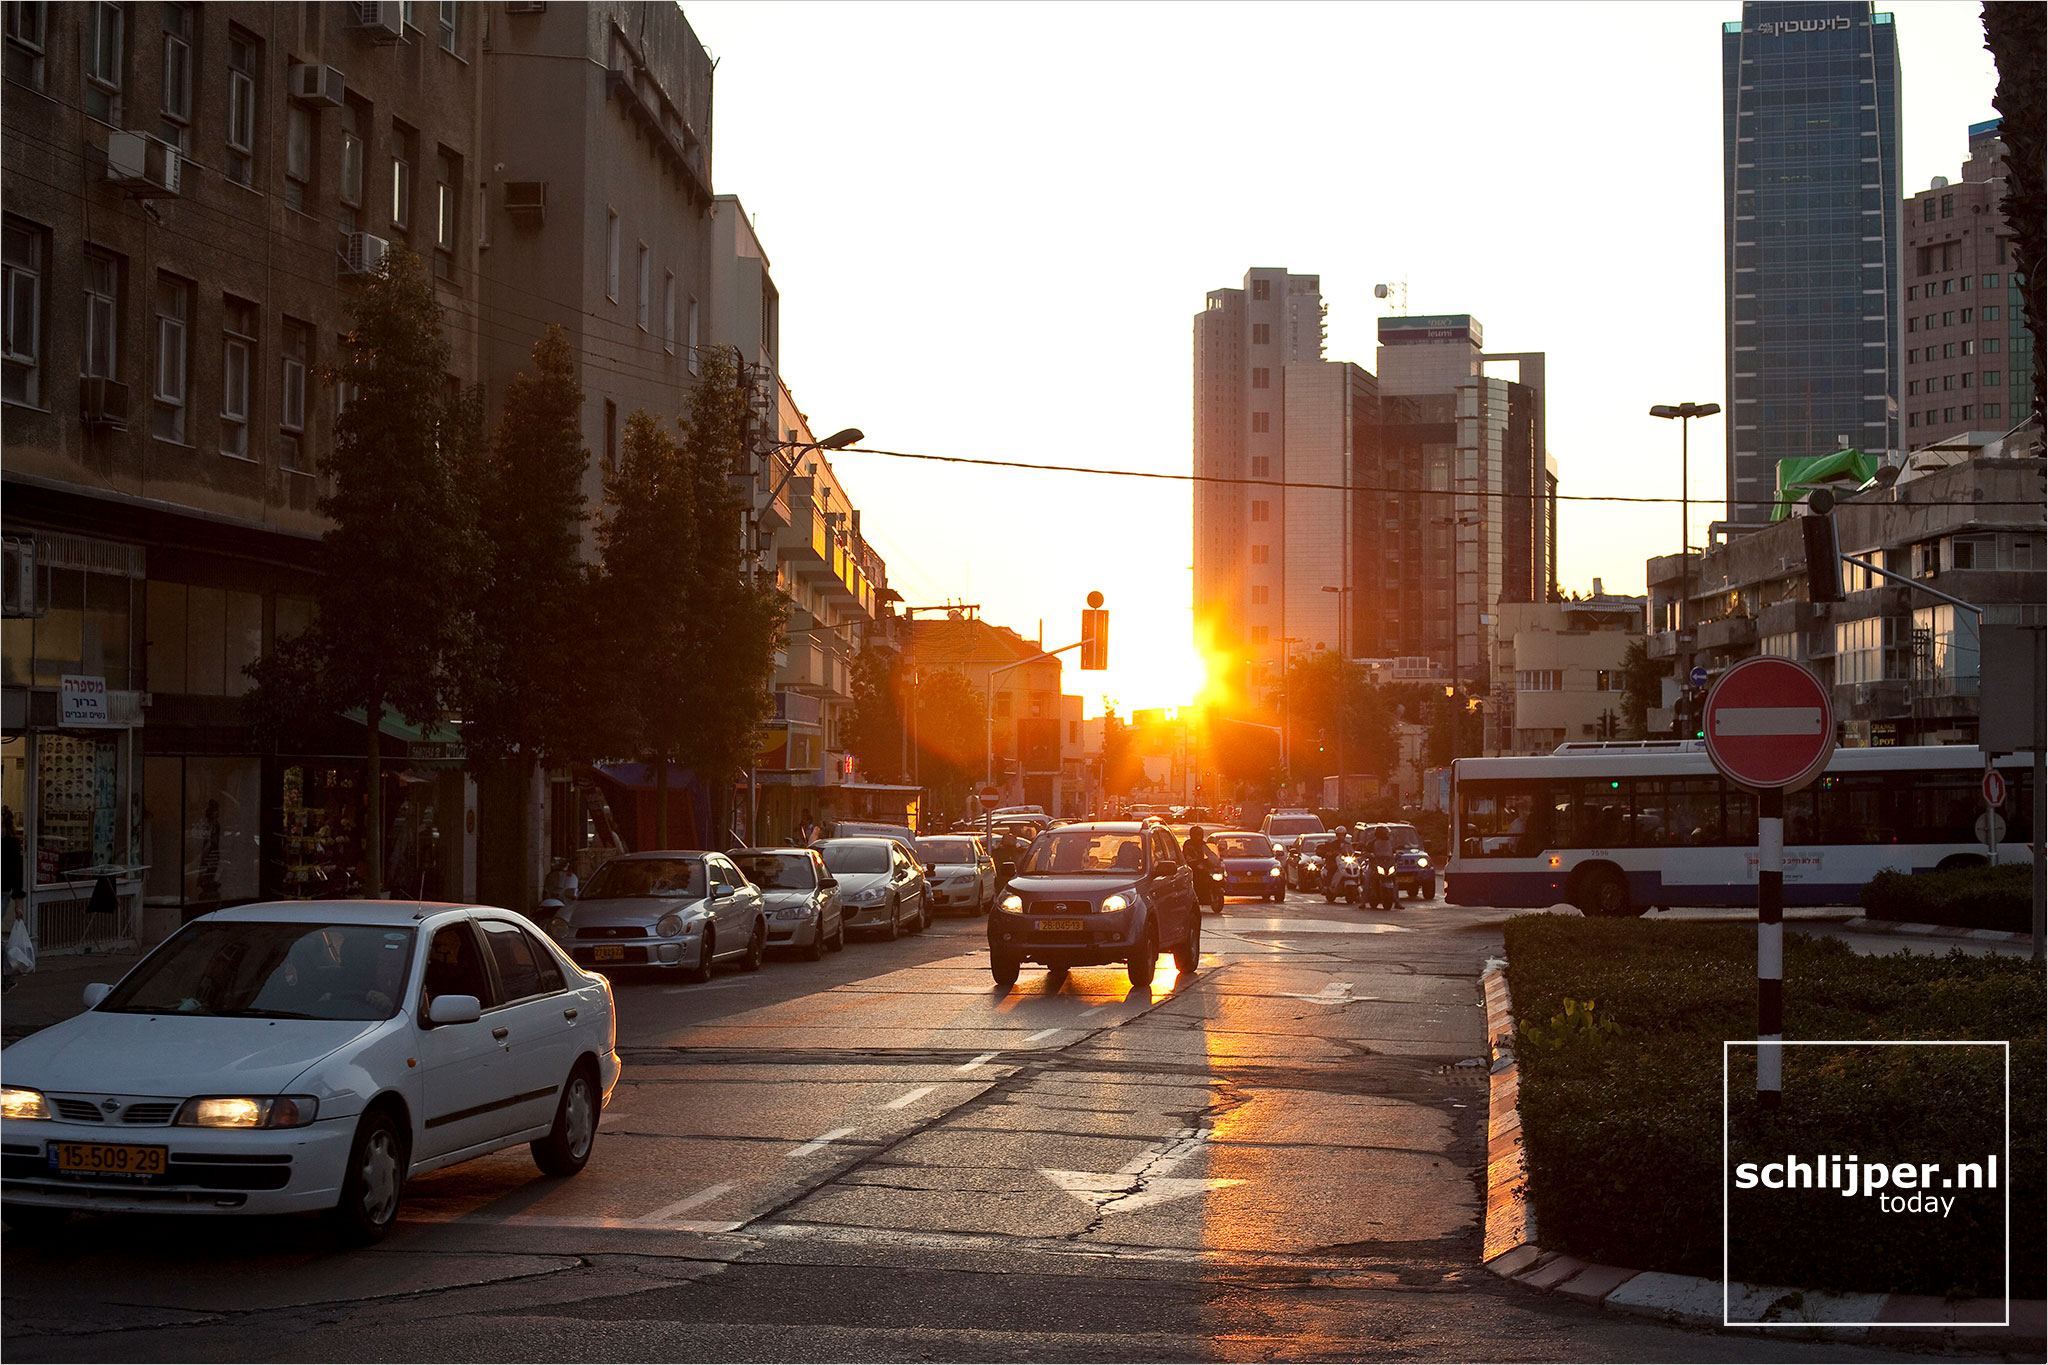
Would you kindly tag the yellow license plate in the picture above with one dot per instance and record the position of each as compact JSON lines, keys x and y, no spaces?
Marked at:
{"x":1075,"y":925}
{"x":608,"y":952}
{"x":105,"y":1158}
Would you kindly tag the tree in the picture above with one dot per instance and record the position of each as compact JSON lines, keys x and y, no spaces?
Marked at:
{"x":1122,"y":767}
{"x":950,"y":736}
{"x":2016,"y":33}
{"x":525,"y":702}
{"x":392,"y":625}
{"x":1642,"y":687}
{"x":874,"y":727}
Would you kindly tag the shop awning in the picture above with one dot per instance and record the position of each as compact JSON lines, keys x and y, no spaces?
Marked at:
{"x":640,"y":776}
{"x":420,"y":741}
{"x":898,"y":789}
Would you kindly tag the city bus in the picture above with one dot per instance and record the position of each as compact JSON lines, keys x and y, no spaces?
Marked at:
{"x":1617,"y":829}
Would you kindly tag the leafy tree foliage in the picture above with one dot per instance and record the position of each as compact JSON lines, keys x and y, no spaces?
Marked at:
{"x":393,"y":625}
{"x":2016,"y":33}
{"x":874,"y":727}
{"x":1122,"y":767}
{"x":1641,"y":688}
{"x":950,"y":737}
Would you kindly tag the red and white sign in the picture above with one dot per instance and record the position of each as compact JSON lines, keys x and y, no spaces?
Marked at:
{"x":1994,"y":787}
{"x":1770,"y":723}
{"x":990,"y":794}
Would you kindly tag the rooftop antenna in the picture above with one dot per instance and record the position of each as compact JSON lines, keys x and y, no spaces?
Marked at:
{"x":1396,"y":290}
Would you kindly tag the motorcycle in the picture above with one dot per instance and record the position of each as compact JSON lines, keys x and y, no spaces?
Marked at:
{"x":1386,"y":882}
{"x":1340,"y":878}
{"x":1209,"y":888}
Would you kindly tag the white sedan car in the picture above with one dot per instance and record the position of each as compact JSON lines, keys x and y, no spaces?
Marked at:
{"x":307,"y":1056}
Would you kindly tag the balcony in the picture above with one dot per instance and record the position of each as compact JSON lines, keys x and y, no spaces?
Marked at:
{"x":1730,"y":632}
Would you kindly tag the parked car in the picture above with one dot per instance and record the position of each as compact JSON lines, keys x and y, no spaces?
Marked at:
{"x":870,"y":829}
{"x":1304,"y":860}
{"x":961,"y":872}
{"x":1088,"y":894}
{"x":881,"y":885}
{"x":683,"y":911}
{"x":1416,"y":873}
{"x":308,"y":1056}
{"x":1281,"y":825}
{"x":1250,"y":867}
{"x":800,"y":896}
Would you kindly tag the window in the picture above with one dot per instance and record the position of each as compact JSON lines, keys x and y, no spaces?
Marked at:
{"x":354,"y":118}
{"x":1948,"y":286}
{"x":401,"y":146}
{"x":519,"y":970}
{"x":103,"y":60}
{"x":25,"y":26}
{"x":1610,"y":680}
{"x":1948,"y":319}
{"x":668,"y":311}
{"x":1992,"y":345}
{"x":1948,"y":350}
{"x":642,"y":288}
{"x":1991,"y":409}
{"x":1262,"y":466}
{"x":1539,"y":680}
{"x":611,"y":255}
{"x":243,"y":63}
{"x":1912,"y":292}
{"x":1992,"y":379}
{"x":1967,"y":313}
{"x":1912,"y":419}
{"x":1963,"y":286}
{"x":1969,"y":348}
{"x":1262,"y":289}
{"x":1262,"y":554}
{"x":1963,"y":382}
{"x":449,"y":12}
{"x":23,"y":289}
{"x":1262,"y":422}
{"x":1948,"y":381}
{"x":1913,"y":357}
{"x":173,"y":351}
{"x":176,"y":102}
{"x":611,"y":434}
{"x":1912,"y":324}
{"x":298,"y":154}
{"x":1912,"y":388}
{"x":1262,"y":378}
{"x":1927,"y":210}
{"x":1948,"y":206}
{"x":1988,"y":282}
{"x":1966,"y":409}
{"x":238,"y":344}
{"x":1259,"y":595}
{"x":1259,"y":635}
{"x":1261,"y":511}
{"x":1262,"y":333}
{"x":690,"y":337}
{"x":296,"y":360}
{"x":1991,"y":314}
{"x":1948,"y":414}
{"x":447,"y":176}
{"x":102,"y":353}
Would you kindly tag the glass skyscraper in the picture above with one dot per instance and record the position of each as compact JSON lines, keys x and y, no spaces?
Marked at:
{"x":1810,"y":187}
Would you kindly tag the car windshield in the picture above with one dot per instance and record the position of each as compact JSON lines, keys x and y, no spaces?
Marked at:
{"x":265,"y":970}
{"x":1243,"y":846}
{"x":1292,"y":824}
{"x":1316,"y":843}
{"x":1072,"y":851}
{"x":855,"y":858}
{"x":946,"y":850}
{"x":626,"y":878}
{"x":778,"y":871}
{"x":1404,"y":836}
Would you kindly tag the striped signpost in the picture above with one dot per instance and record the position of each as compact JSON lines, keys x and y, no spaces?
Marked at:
{"x":1771,"y":728}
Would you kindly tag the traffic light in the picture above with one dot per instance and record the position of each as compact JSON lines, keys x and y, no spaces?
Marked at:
{"x":1094,"y":633}
{"x":1823,"y":552}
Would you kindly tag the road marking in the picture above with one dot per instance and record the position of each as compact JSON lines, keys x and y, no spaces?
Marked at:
{"x":902,"y":1101}
{"x":1142,"y":1182}
{"x":1042,"y":1033}
{"x":984,"y":1057}
{"x":1097,"y":1010}
{"x":706,"y":986}
{"x":817,"y":1142}
{"x":703,"y":1196}
{"x":1336,"y":993}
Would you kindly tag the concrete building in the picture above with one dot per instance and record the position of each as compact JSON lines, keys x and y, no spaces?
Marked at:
{"x":1810,"y":188}
{"x":1969,"y":369}
{"x":1966,"y":519}
{"x":187,"y":186}
{"x":1561,"y":663}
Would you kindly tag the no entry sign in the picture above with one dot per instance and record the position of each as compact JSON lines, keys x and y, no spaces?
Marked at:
{"x":1770,"y":724}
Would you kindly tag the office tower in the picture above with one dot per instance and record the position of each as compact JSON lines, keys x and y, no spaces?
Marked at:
{"x":1810,"y":125}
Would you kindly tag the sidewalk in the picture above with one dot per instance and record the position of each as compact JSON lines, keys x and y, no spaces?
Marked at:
{"x":54,"y":990}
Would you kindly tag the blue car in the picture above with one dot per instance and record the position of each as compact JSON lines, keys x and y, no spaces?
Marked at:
{"x":1250,"y":867}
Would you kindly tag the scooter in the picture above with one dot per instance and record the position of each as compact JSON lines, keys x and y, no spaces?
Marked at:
{"x":1386,"y":883}
{"x":1209,"y":888}
{"x":1340,"y":878}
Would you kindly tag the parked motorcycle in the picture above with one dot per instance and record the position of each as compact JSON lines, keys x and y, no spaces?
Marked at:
{"x":1340,"y":878}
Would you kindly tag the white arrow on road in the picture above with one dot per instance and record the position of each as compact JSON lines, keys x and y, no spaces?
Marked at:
{"x":1336,"y":993}
{"x":1143,"y":1181}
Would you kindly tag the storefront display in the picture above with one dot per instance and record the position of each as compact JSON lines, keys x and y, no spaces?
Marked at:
{"x":79,"y":806}
{"x":319,"y":834}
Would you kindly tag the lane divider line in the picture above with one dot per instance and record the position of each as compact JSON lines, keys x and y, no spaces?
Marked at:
{"x":1097,"y":1010}
{"x":817,"y":1142}
{"x":978,"y":1061}
{"x":703,"y":1196}
{"x":911,"y":1098}
{"x":1042,"y":1033}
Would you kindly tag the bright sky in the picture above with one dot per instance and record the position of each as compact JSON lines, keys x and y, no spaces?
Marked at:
{"x":992,"y":226}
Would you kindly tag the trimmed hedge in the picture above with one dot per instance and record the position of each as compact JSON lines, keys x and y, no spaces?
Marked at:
{"x":1623,"y":1129}
{"x":1999,"y":897}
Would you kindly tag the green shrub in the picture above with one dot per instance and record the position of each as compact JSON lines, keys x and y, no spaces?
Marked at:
{"x":1999,"y":897}
{"x":1624,"y":1139}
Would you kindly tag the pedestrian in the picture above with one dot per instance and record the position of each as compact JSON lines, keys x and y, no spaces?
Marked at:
{"x":807,"y":831}
{"x":12,"y":891}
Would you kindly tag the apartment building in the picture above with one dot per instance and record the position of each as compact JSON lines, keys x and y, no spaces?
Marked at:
{"x":1038,"y":751}
{"x":1560,"y":665}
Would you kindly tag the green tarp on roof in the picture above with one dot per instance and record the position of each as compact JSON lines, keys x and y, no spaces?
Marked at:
{"x":1800,"y":474}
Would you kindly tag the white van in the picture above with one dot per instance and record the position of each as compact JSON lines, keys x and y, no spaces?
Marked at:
{"x":1281,"y":826}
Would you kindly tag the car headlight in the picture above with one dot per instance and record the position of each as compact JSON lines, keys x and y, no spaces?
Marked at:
{"x":1422,"y":862}
{"x":1011,"y":905}
{"x":1272,"y":872}
{"x":19,"y":1102}
{"x":872,"y":896}
{"x":248,"y":1111}
{"x":558,"y":929}
{"x":1113,"y":904}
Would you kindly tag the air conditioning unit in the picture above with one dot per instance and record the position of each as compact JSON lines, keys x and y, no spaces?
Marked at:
{"x":18,"y":576}
{"x":145,"y":166}
{"x":527,"y":197}
{"x":103,"y":402}
{"x":380,"y":20}
{"x":323,"y":87}
{"x":364,"y":254}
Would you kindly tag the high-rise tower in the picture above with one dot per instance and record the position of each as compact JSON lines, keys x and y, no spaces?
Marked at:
{"x":1810,"y":177}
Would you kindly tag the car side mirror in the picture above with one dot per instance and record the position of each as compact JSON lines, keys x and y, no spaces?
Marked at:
{"x":455,"y":1009}
{"x":1165,"y":866}
{"x":719,"y":891}
{"x":829,"y":883}
{"x":95,"y":993}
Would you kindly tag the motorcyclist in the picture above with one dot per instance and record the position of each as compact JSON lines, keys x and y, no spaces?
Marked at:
{"x":1205,"y":862}
{"x":1006,"y":852}
{"x":1382,"y":856}
{"x":1334,"y":855}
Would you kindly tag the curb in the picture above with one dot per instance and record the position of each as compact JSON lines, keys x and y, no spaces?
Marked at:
{"x":1512,"y":1252}
{"x":1909,"y":928}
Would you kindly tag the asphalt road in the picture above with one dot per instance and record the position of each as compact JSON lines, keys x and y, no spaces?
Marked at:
{"x":881,"y":1157}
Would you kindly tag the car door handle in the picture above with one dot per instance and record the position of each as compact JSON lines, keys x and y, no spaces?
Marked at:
{"x":569,"y":1015}
{"x":499,"y":1033}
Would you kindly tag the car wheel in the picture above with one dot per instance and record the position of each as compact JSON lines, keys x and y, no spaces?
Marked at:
{"x":371,"y":1186}
{"x":34,"y":1220}
{"x":924,"y":916}
{"x":895,"y":929}
{"x":702,"y":971}
{"x":1189,"y":954}
{"x":757,"y":948}
{"x":1004,"y":969}
{"x":1277,"y":897}
{"x":839,"y":936}
{"x":1144,"y":961}
{"x":816,"y":948}
{"x":566,"y":1148}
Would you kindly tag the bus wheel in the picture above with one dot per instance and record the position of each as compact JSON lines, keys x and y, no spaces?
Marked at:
{"x":1605,"y":893}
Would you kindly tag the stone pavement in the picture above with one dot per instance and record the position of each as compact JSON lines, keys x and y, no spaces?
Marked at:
{"x":54,"y":990}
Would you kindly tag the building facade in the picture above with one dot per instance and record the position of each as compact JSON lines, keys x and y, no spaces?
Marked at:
{"x":1810,"y":190}
{"x":1969,"y":369}
{"x":1035,"y":749}
{"x":1561,"y":666}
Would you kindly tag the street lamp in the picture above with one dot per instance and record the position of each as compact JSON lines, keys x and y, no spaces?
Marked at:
{"x":1343,"y":668}
{"x":1684,"y":413}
